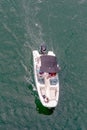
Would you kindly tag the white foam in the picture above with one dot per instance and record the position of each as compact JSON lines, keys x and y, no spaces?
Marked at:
{"x":81,"y":1}
{"x":40,"y":1}
{"x":36,"y":24}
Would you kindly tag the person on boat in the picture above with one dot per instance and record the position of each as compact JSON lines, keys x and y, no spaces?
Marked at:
{"x":51,"y":75}
{"x":40,"y":72}
{"x":46,"y":99}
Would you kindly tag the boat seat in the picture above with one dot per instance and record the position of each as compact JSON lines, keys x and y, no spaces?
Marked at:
{"x":42,"y":89}
{"x":53,"y":93}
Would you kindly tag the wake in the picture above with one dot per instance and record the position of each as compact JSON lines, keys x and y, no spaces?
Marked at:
{"x":28,"y":78}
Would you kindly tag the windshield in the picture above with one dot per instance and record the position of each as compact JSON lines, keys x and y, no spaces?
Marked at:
{"x":41,"y":80}
{"x":54,"y":81}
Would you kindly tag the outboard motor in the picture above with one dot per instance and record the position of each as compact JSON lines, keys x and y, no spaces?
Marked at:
{"x":43,"y":49}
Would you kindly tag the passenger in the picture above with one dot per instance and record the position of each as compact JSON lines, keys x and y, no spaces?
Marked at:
{"x":46,"y":100}
{"x":40,"y":72}
{"x":52,"y":74}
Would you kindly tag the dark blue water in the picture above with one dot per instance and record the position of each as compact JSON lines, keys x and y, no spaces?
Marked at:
{"x":24,"y":26}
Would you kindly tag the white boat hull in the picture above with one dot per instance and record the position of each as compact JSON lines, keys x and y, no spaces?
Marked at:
{"x":48,"y":94}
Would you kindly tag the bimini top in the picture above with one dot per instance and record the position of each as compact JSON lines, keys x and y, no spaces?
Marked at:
{"x":49,"y":64}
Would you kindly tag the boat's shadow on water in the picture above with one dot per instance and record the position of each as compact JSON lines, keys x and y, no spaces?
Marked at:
{"x":39,"y":107}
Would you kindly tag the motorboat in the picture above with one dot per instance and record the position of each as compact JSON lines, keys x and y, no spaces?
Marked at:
{"x":46,"y":76}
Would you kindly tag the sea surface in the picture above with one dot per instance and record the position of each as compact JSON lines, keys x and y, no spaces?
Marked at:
{"x":24,"y":26}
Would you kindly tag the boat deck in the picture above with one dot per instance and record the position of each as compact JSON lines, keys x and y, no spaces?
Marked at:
{"x":52,"y":92}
